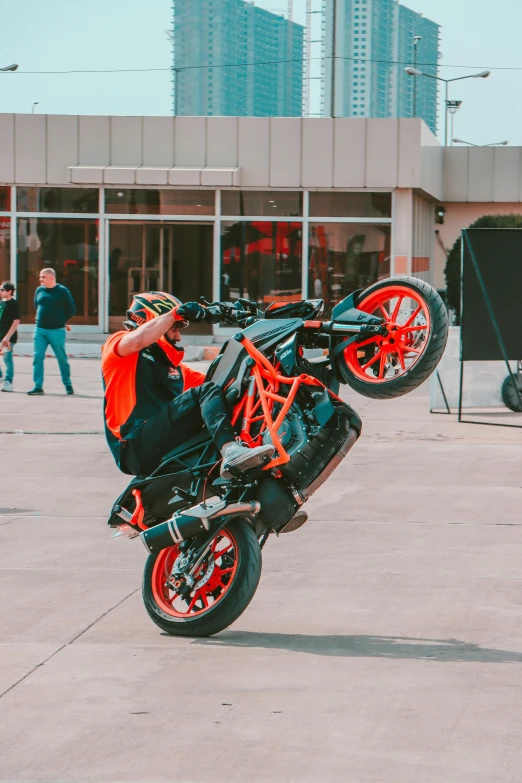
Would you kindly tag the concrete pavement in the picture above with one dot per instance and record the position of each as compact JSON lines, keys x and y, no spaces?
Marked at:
{"x":384,"y":643}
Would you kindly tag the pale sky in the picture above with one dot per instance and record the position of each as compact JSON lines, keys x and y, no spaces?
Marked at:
{"x":57,"y":35}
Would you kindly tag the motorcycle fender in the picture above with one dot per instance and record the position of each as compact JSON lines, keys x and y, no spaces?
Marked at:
{"x":346,"y":311}
{"x":348,"y":303}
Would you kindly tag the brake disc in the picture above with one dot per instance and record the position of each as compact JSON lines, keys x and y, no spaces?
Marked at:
{"x":208,"y":573}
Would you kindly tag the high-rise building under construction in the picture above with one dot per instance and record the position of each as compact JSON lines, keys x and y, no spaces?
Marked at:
{"x":374,"y":43}
{"x":232,"y":58}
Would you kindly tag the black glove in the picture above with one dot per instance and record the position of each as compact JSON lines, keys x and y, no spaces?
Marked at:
{"x":192,"y":311}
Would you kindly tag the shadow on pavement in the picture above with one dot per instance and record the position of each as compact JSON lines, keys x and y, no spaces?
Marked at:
{"x":445,"y":650}
{"x":63,"y":394}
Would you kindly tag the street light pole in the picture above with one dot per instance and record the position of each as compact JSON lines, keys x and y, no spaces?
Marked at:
{"x":446,"y":116}
{"x":416,"y":39}
{"x":36,"y":103}
{"x":453,"y":107}
{"x":334,"y":24}
{"x":414,"y":72}
{"x":176,"y":88}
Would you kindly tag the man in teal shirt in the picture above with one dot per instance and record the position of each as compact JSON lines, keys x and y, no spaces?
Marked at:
{"x":54,"y":306}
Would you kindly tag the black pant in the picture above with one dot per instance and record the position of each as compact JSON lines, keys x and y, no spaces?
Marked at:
{"x":181,"y":419}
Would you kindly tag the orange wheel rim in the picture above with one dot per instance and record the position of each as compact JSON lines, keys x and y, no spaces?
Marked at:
{"x":381,"y":358}
{"x":213,"y":578}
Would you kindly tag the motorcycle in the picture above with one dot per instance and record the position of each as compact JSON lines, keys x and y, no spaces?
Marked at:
{"x":204,"y":534}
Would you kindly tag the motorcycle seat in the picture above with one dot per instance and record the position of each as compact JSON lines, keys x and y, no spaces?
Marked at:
{"x":195,"y":440}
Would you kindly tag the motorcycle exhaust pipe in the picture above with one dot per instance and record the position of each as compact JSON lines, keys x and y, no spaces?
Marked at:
{"x":327,"y":471}
{"x":186,"y":525}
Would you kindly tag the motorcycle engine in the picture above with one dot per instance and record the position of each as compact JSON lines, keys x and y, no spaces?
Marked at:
{"x":292,"y":433}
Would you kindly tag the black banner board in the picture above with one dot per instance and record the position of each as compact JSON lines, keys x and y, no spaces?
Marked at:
{"x":498,"y":254}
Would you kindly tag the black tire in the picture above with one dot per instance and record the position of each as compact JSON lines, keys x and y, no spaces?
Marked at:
{"x":233,"y":603}
{"x":433,"y":349}
{"x":510,"y":398}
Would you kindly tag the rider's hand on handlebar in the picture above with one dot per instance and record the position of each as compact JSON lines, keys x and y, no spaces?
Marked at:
{"x":247,"y":304}
{"x":192,"y":311}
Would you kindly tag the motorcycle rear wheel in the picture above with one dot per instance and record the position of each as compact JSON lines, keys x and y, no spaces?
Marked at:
{"x":417,"y":321}
{"x":227,"y":580}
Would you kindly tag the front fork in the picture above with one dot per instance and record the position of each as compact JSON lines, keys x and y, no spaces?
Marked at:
{"x":182,"y":578}
{"x":183,"y":574}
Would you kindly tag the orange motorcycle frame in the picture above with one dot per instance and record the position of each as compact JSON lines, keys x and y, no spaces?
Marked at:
{"x":258,"y":402}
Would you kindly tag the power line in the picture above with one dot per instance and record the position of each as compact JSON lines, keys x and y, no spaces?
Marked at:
{"x":267,"y":62}
{"x":109,"y":70}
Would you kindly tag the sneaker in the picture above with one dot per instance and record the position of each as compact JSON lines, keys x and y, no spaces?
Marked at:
{"x":7,"y":386}
{"x":241,"y":457}
{"x":36,"y":390}
{"x":69,"y":390}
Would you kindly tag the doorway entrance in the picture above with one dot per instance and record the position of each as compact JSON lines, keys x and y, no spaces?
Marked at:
{"x":158,"y":256}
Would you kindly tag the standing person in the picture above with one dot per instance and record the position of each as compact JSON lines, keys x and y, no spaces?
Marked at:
{"x":9,"y":321}
{"x":54,"y":306}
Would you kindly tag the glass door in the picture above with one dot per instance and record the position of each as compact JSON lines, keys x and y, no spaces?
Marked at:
{"x":70,"y":246}
{"x":157,"y":256}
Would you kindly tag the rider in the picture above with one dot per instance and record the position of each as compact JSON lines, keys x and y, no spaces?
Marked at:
{"x":153,"y":402}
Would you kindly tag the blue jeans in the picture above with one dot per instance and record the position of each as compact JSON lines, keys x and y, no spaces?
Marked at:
{"x":9,"y":365}
{"x":56,"y":339}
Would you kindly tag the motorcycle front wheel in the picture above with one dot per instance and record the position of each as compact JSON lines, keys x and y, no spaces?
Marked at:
{"x":225,"y":583}
{"x":384,"y":367}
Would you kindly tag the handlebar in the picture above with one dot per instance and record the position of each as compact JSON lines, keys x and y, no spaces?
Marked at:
{"x":239,"y":313}
{"x":234,"y":314}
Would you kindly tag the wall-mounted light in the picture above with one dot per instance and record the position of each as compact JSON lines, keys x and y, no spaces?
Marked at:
{"x":440,"y":211}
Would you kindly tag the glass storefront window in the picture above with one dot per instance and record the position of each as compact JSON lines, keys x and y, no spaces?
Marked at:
{"x":68,"y":246}
{"x":266,"y":203}
{"x":5,"y":198}
{"x":57,"y":200}
{"x":343,"y":257}
{"x":158,"y":256}
{"x":5,"y":249}
{"x":261,"y":260}
{"x":159,"y":202}
{"x":359,"y":205}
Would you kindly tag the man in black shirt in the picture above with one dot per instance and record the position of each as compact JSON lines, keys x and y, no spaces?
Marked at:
{"x":54,"y":306}
{"x":9,"y":320}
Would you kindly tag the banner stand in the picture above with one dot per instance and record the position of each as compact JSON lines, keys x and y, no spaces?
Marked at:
{"x":448,"y":410}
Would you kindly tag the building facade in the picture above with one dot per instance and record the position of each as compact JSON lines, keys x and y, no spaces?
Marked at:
{"x":265,"y":208}
{"x":373,"y":46}
{"x":232,"y":58}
